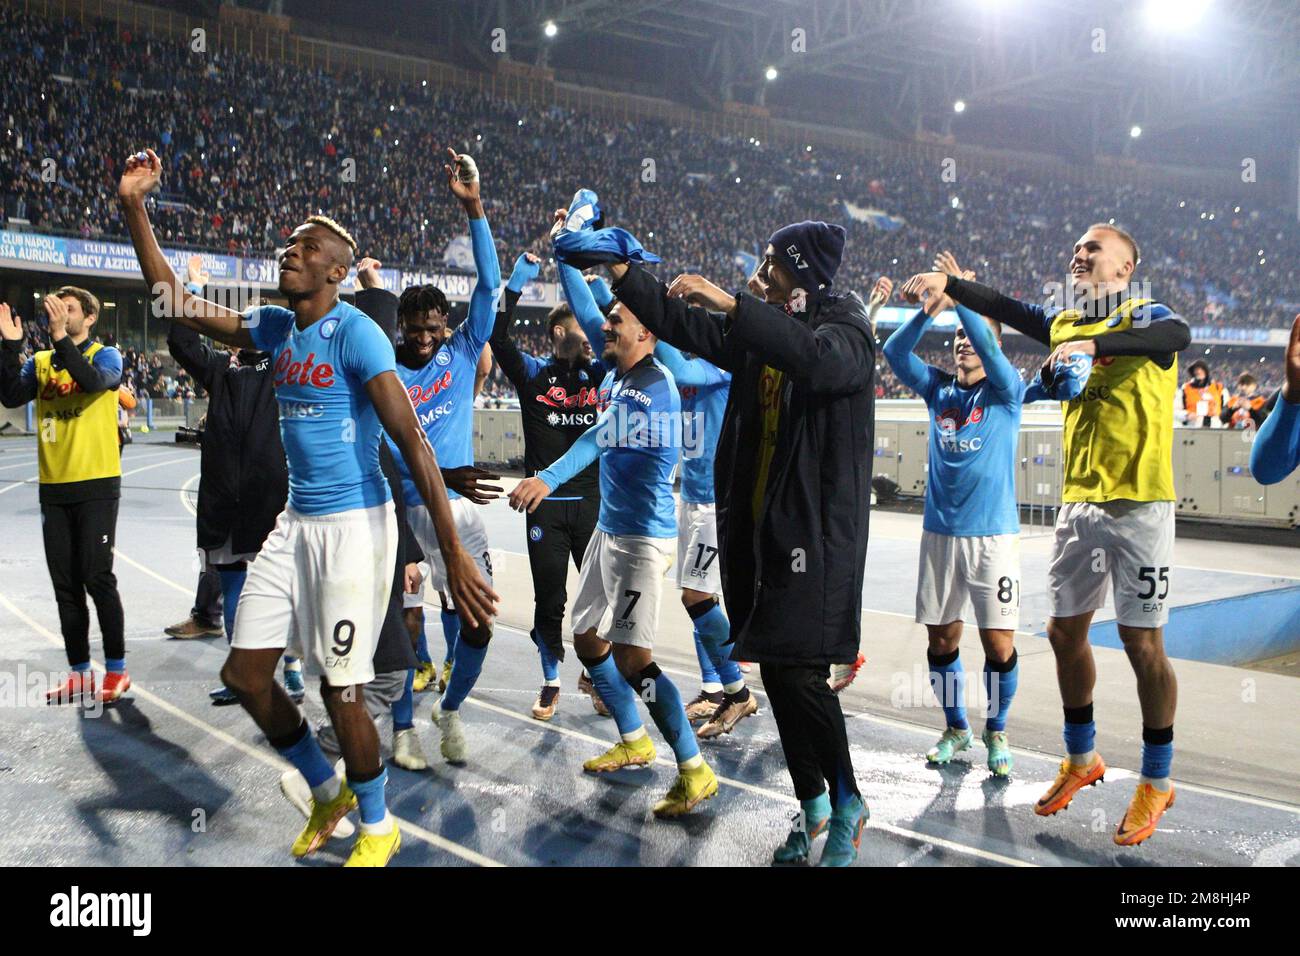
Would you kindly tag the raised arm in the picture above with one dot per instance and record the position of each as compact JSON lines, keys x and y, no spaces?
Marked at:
{"x":463,"y":181}
{"x":17,"y":378}
{"x":900,"y":353}
{"x":172,"y":301}
{"x":583,"y":303}
{"x":516,"y":364}
{"x":1028,"y":319}
{"x":1001,"y":374}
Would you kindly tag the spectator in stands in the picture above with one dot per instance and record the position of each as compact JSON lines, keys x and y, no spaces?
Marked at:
{"x":1200,"y":400}
{"x":1245,"y":409}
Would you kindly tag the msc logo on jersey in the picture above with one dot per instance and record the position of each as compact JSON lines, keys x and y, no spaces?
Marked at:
{"x":443,"y":357}
{"x":328,"y":328}
{"x":535,"y":533}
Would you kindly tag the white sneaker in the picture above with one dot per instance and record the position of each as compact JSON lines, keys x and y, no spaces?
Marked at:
{"x":296,"y":791}
{"x":407,"y":752}
{"x":453,"y":734}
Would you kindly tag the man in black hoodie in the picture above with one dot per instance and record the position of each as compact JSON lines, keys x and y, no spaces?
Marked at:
{"x":793,"y":485}
{"x":243,"y":478}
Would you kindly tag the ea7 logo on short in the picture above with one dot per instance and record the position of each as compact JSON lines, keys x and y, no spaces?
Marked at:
{"x":76,"y":909}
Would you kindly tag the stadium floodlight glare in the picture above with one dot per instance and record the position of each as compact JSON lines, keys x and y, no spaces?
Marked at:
{"x":1176,"y":14}
{"x":959,"y":106}
{"x":1135,"y":131}
{"x":770,"y":73}
{"x":550,"y":29}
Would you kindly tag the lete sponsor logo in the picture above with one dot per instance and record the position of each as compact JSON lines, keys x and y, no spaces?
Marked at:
{"x":305,"y":372}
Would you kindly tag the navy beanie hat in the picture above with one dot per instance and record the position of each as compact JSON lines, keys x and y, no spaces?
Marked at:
{"x":811,"y":251}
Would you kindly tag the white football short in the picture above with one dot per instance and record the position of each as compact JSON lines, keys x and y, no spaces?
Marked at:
{"x":470,"y":530}
{"x":1126,"y":544}
{"x":984,"y":570}
{"x":620,"y":585}
{"x":698,"y":567}
{"x":322,"y":583}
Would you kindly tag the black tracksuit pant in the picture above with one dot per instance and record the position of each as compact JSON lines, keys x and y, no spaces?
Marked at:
{"x":557,"y":531}
{"x":79,"y":541}
{"x":811,"y":725}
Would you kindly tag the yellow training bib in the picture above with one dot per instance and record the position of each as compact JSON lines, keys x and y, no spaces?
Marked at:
{"x":1119,"y":432}
{"x":78,"y":432}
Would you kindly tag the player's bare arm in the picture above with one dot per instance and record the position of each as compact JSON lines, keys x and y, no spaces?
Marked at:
{"x":142,"y":176}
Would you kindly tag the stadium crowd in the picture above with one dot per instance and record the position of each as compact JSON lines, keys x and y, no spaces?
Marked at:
{"x":251,"y":147}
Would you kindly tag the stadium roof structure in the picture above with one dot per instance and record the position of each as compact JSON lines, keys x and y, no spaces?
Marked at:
{"x":1080,"y":76}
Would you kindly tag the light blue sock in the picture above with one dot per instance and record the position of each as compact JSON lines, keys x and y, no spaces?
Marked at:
{"x":1000,"y":686}
{"x":815,"y":809}
{"x":308,"y":758}
{"x":616,"y":694}
{"x":370,"y":798}
{"x":713,"y":630}
{"x":550,"y":666}
{"x":422,"y":644}
{"x":668,"y":712}
{"x":948,"y":680}
{"x":469,"y":664}
{"x":232,"y":585}
{"x":451,"y":634}
{"x":404,"y":706}
{"x":708,"y":673}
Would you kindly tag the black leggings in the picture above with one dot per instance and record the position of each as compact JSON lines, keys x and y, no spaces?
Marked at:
{"x":557,"y":531}
{"x":811,"y":725}
{"x":79,"y":553}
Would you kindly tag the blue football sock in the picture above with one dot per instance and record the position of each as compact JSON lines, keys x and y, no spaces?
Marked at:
{"x":469,"y":664}
{"x":232,"y":585}
{"x":708,"y":673}
{"x":948,"y":680}
{"x":451,"y":634}
{"x":82,"y":667}
{"x":370,"y":798}
{"x":713,"y":630}
{"x":404,"y":706}
{"x":1080,"y":730}
{"x":1000,"y":681}
{"x":550,"y":666}
{"x":115,"y":665}
{"x":669,"y":714}
{"x":1157,"y":752}
{"x":616,"y":694}
{"x":422,"y":644}
{"x":308,"y":758}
